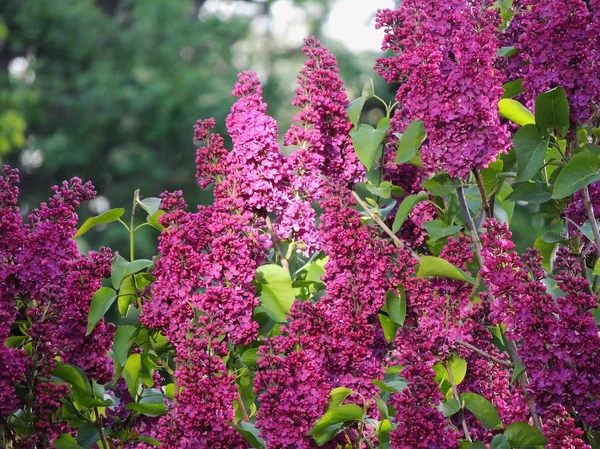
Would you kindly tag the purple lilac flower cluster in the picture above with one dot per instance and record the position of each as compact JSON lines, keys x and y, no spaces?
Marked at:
{"x":444,"y":62}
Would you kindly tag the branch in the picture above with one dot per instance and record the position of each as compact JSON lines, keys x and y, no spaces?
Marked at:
{"x":484,"y":354}
{"x":486,"y":206}
{"x":240,"y":404}
{"x":383,"y":226}
{"x":284,"y":262}
{"x":511,"y":346}
{"x":457,"y":397}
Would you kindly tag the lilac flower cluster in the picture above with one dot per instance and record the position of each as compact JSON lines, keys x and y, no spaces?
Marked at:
{"x":559,"y":39}
{"x":42,"y":268}
{"x":560,"y":338}
{"x":444,"y":62}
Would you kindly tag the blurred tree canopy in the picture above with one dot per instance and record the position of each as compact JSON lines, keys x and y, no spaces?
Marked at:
{"x":109,"y":90}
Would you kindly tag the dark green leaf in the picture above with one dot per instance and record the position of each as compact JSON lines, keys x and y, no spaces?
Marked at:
{"x":383,"y":190}
{"x":552,"y":112}
{"x":107,"y":217}
{"x":520,"y":434}
{"x":101,"y":302}
{"x":72,"y":375}
{"x":355,"y":109}
{"x":546,"y":251}
{"x":515,"y":112}
{"x":250,"y":433}
{"x":389,"y":327}
{"x":396,"y":306}
{"x":117,"y":271}
{"x":499,"y":442}
{"x":392,"y":386}
{"x":405,"y":207}
{"x":483,"y":410}
{"x":513,"y":88}
{"x":438,"y":229}
{"x":87,"y":435}
{"x":410,"y":142}
{"x":506,"y":52}
{"x":440,"y":185}
{"x":554,"y":237}
{"x":530,"y":148}
{"x":430,"y":266}
{"x":532,"y":192}
{"x":581,"y":171}
{"x":367,"y":140}
{"x":127,"y":295}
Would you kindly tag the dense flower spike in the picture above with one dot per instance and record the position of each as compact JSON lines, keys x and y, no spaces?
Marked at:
{"x":560,"y":340}
{"x":559,"y":41}
{"x":445,"y":66}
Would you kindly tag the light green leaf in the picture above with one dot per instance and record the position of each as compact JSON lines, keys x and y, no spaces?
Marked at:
{"x":250,"y":357}
{"x":520,"y":434}
{"x":438,"y":229}
{"x":392,"y":386}
{"x":515,"y":112}
{"x":124,"y":338}
{"x":506,"y":52}
{"x":552,"y":112}
{"x":396,"y":306}
{"x":107,"y":217}
{"x":131,"y":373}
{"x":149,"y":440}
{"x":117,"y":271}
{"x":147,"y":409}
{"x":337,"y":396}
{"x":405,"y":207}
{"x":368,"y":89}
{"x":367,"y":140}
{"x":355,"y":108}
{"x":410,"y":142}
{"x":101,"y":302}
{"x":66,"y":441}
{"x":150,"y":205}
{"x":430,"y":266}
{"x":383,"y":190}
{"x":127,"y":295}
{"x":513,"y":88}
{"x":581,"y":171}
{"x":276,"y":292}
{"x":483,"y":410}
{"x":440,"y":185}
{"x":458,"y":367}
{"x":530,"y":148}
{"x":343,"y":413}
{"x":449,"y":407}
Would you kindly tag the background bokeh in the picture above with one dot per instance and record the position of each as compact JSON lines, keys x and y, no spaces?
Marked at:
{"x":109,"y":90}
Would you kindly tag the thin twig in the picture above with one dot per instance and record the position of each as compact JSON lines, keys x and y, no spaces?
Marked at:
{"x":457,"y":397}
{"x":383,"y":226}
{"x":100,"y":428}
{"x":587,"y":202}
{"x":284,"y":262}
{"x":484,"y":354}
{"x":484,"y":201}
{"x":240,"y":404}
{"x":511,"y":346}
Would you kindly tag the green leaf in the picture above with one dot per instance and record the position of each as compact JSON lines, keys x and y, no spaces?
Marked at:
{"x":250,"y":357}
{"x":458,"y":367}
{"x":513,"y":88}
{"x":530,"y":148}
{"x":87,"y":435}
{"x":515,"y":112}
{"x":127,"y":295}
{"x":148,"y":409}
{"x":367,"y":139}
{"x":581,"y":171}
{"x":338,"y":395}
{"x":405,"y":207}
{"x":396,"y":306}
{"x":438,"y":229}
{"x":276,"y":292}
{"x":440,"y":185}
{"x":410,"y":142}
{"x":546,"y":251}
{"x":449,"y":407}
{"x":117,"y":271}
{"x":499,"y":442}
{"x":532,"y":192}
{"x":383,"y":190}
{"x":124,"y":338}
{"x":483,"y":410}
{"x":506,"y":52}
{"x":343,"y":413}
{"x":520,"y":434}
{"x":66,"y":441}
{"x":355,"y":108}
{"x":430,"y":266}
{"x":131,"y":373}
{"x":149,"y":440}
{"x":391,"y":386}
{"x":72,"y":375}
{"x":368,"y":89}
{"x":554,"y":237}
{"x":250,"y":433}
{"x":101,"y":302}
{"x":107,"y":217}
{"x":389,"y":327}
{"x":552,"y":112}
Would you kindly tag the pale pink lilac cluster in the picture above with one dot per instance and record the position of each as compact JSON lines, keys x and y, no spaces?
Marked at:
{"x":444,"y":56}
